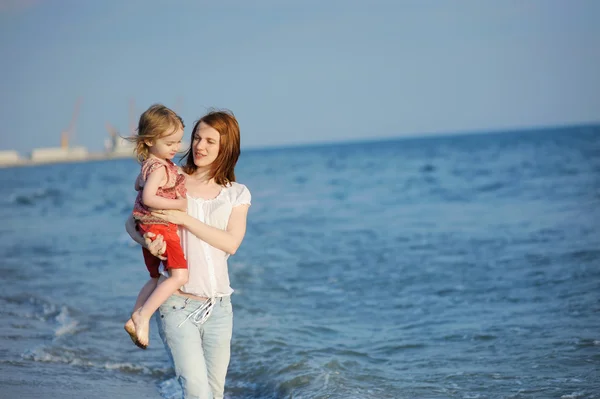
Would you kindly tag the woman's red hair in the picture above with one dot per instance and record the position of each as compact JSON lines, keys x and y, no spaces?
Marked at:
{"x":222,"y":170}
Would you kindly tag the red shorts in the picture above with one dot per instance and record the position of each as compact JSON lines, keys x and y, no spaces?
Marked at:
{"x":174,"y":253}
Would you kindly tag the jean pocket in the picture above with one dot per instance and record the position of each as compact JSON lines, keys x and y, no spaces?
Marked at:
{"x":225,"y":306}
{"x":172,"y":305}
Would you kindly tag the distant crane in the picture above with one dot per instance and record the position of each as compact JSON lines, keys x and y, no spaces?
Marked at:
{"x":68,"y":136}
{"x":112,"y":131}
{"x":117,"y":144}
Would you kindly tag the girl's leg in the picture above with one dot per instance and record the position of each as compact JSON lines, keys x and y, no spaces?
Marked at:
{"x":141,"y":317}
{"x":216,"y":339}
{"x":141,"y":298}
{"x":184,"y":346}
{"x":145,"y":292}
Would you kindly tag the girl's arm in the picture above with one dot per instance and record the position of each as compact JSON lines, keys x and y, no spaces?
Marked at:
{"x":226,"y":240}
{"x":151,"y":200}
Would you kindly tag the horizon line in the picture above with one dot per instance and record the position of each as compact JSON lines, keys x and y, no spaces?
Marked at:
{"x":407,"y":136}
{"x":427,"y":135}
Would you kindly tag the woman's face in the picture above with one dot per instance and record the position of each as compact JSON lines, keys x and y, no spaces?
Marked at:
{"x":205,"y":145}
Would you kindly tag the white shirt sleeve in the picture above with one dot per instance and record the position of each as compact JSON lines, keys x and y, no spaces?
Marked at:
{"x":242,"y":196}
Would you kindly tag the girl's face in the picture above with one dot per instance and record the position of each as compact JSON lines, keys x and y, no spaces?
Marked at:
{"x":205,"y":145}
{"x":166,"y":147}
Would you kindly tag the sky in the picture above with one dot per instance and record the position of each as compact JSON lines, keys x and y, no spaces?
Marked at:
{"x":297,"y":71}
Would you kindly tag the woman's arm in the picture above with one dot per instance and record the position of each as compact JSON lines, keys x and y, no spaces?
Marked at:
{"x":139,"y":183}
{"x":133,"y":233}
{"x":226,"y":240}
{"x":155,"y":245}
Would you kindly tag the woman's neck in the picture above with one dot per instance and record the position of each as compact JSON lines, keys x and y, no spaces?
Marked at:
{"x":201,"y":176}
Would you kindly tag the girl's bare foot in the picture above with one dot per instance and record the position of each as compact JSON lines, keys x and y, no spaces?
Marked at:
{"x":130,"y":328}
{"x":141,"y":326}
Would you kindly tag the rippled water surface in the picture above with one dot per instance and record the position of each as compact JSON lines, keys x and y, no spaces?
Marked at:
{"x":450,"y":267}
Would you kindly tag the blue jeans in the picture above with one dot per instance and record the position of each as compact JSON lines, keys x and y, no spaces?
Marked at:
{"x":199,"y":352}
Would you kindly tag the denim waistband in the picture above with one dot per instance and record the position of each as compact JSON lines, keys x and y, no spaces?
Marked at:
{"x":197,"y":302}
{"x":202,"y":309}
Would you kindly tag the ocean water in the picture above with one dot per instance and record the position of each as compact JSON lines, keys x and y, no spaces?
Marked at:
{"x":442,"y":267}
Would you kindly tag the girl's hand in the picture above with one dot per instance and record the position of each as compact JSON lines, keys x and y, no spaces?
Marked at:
{"x":171,"y":216}
{"x":155,"y":244}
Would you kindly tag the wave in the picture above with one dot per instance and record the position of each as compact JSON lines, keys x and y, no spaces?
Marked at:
{"x":59,"y":317}
{"x":73,"y":357}
{"x":306,"y":378}
{"x":67,"y":325}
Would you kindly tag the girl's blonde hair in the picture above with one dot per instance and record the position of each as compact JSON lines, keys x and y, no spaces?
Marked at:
{"x":156,"y":122}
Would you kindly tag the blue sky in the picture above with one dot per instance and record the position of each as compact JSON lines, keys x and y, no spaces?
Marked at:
{"x":298,"y":71}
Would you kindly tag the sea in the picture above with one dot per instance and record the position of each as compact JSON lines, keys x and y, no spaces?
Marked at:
{"x":455,"y":266}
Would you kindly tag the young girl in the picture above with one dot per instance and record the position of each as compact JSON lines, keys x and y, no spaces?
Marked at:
{"x":160,"y":186}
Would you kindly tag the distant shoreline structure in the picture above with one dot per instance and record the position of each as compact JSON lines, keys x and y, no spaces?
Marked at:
{"x":42,"y":156}
{"x":116,"y":148}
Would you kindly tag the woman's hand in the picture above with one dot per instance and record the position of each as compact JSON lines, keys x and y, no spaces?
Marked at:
{"x":171,"y":216}
{"x":155,"y":244}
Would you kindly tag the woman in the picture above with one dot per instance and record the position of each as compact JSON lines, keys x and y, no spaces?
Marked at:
{"x":196,"y":322}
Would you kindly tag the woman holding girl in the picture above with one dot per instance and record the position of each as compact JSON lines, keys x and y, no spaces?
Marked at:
{"x":196,"y":322}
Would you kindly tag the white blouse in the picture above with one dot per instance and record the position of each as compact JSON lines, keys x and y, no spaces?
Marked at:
{"x":207,"y":265}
